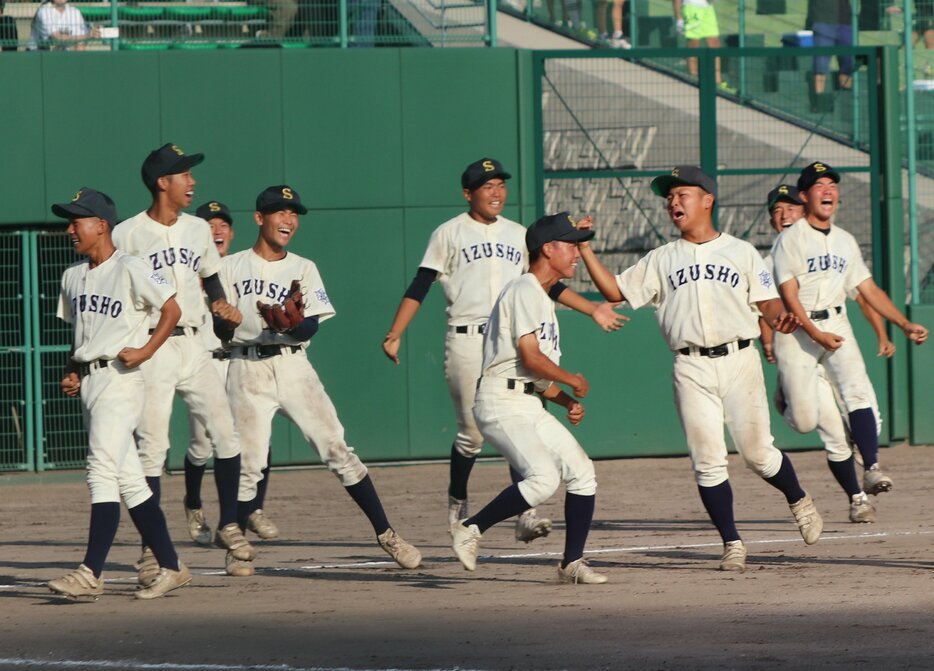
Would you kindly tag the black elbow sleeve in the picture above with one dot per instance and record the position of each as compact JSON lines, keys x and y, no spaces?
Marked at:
{"x":420,"y":285}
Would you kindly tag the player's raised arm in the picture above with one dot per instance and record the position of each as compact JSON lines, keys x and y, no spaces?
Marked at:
{"x":599,"y":273}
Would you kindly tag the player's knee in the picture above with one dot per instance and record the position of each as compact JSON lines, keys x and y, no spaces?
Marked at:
{"x":583,"y":480}
{"x":103,"y":488}
{"x":764,"y":462}
{"x":539,"y":487}
{"x":469,"y":445}
{"x":135,"y":493}
{"x":349,"y":471}
{"x":197,"y":454}
{"x":712,"y":476}
{"x":802,"y":419}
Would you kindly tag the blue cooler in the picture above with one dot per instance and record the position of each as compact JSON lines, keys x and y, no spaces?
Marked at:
{"x":801,"y":38}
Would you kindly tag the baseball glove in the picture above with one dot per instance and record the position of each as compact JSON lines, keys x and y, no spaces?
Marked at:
{"x":289,"y":314}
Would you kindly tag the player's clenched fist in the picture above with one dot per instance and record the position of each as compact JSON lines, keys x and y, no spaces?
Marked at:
{"x":915,"y":332}
{"x":575,"y":413}
{"x":785,"y":322}
{"x":391,"y":344}
{"x":580,"y":386}
{"x":71,"y":384}
{"x":224,"y":310}
{"x":829,"y":341}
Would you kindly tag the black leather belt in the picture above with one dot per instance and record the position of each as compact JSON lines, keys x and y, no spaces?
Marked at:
{"x":526,"y":387}
{"x":85,"y":369}
{"x":220,"y":354}
{"x":481,"y":329}
{"x":266,"y":351}
{"x":817,"y":315}
{"x":178,"y":330}
{"x":714,"y":352}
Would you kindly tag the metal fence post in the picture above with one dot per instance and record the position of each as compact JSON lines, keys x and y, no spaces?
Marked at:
{"x":491,"y":21}
{"x":911,"y":149}
{"x":707,"y":108}
{"x":343,"y":23}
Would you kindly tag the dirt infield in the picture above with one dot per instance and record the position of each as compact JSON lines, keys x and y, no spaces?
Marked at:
{"x":327,"y":597}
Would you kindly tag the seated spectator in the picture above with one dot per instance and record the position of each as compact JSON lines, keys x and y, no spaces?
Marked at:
{"x":9,"y":35}
{"x":923,"y":16}
{"x":58,"y":25}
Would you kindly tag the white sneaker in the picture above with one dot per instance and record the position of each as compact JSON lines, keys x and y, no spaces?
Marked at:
{"x":734,"y":557}
{"x":231,"y":538}
{"x":617,"y":41}
{"x":457,"y":511}
{"x":405,"y":554}
{"x":147,"y":568}
{"x":808,"y":519}
{"x":861,"y":510}
{"x":530,"y":526}
{"x":875,"y":481}
{"x":466,"y":544}
{"x":79,"y":584}
{"x":260,"y":524}
{"x":580,"y":573}
{"x":198,"y":527}
{"x":165,"y":582}
{"x":237,"y":567}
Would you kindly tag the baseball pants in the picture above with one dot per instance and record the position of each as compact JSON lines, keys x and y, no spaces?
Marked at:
{"x":286,"y":383}
{"x":533,"y":441}
{"x":729,"y":389}
{"x":463,"y":364}
{"x":112,"y":401}
{"x":183,"y":365}
{"x":199,"y":447}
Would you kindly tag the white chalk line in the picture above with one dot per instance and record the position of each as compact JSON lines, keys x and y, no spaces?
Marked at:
{"x":167,"y":666}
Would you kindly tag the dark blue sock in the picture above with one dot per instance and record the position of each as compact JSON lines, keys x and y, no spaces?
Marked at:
{"x":786,"y":481}
{"x":460,"y":473}
{"x":263,"y":484}
{"x":365,"y":496}
{"x":863,"y":430}
{"x":155,"y":484}
{"x":508,"y":503}
{"x":150,"y":522}
{"x":105,"y":518}
{"x":515,"y":476}
{"x":718,"y":501}
{"x":845,"y":474}
{"x":244,"y":510}
{"x":578,"y":514}
{"x":227,"y":479}
{"x":193,"y":477}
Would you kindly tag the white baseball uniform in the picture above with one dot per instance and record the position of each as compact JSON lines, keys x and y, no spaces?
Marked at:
{"x":199,"y":447}
{"x":110,"y":306}
{"x":831,"y":426}
{"x":510,"y":416}
{"x":474,"y":262}
{"x":270,"y":373}
{"x":184,"y":253}
{"x":827,"y":267}
{"x":705,"y":296}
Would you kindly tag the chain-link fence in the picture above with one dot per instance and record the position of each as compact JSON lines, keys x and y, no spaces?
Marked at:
{"x":60,"y":25}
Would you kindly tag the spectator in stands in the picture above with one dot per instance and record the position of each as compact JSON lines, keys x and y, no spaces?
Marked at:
{"x":57,"y":25}
{"x":363,"y":14}
{"x":9,"y":36}
{"x":281,"y":15}
{"x":831,"y":22}
{"x":617,"y":41}
{"x":923,"y":16}
{"x":697,"y":21}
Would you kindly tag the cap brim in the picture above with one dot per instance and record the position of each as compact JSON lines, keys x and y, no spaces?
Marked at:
{"x":578,"y":235}
{"x":787,"y":199}
{"x":298,"y":208}
{"x":71,"y":211}
{"x":662,"y":184}
{"x":486,"y":178}
{"x":186,"y":162}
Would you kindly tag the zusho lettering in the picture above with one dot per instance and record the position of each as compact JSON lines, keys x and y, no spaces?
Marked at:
{"x":709,"y":271}
{"x":96,"y":303}
{"x":817,"y":264}
{"x":169,"y":257}
{"x":489,"y":250}
{"x":260,"y":288}
{"x":548,"y":331}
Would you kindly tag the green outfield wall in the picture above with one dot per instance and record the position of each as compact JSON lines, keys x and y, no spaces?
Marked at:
{"x":374,"y":140}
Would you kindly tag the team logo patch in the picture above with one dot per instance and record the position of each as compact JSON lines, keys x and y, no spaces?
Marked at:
{"x":158,"y":279}
{"x":765,"y":278}
{"x":783,"y":190}
{"x":322,"y":296}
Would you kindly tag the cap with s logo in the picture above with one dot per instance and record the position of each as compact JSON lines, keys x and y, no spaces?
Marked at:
{"x":561,"y":227}
{"x":88,"y":203}
{"x":169,"y":159}
{"x":282,"y":197}
{"x":214,"y":209}
{"x":480,"y":172}
{"x":684,"y":175}
{"x":814,"y":172}
{"x":785,"y":193}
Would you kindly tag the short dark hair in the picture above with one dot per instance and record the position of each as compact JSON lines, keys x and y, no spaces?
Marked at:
{"x":534,"y":256}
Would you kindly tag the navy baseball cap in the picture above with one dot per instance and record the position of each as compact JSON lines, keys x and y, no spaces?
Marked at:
{"x":684,"y":175}
{"x":814,"y":172}
{"x":169,"y":159}
{"x":555,"y":227}
{"x":480,"y":172}
{"x":214,"y":209}
{"x":282,"y":197}
{"x":784,"y":192}
{"x":88,"y":203}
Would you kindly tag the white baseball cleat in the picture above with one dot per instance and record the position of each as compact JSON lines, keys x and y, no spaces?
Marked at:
{"x":875,"y":481}
{"x":80,"y":584}
{"x":147,"y":568}
{"x":260,"y":524}
{"x":466,"y":543}
{"x":198,"y":528}
{"x":580,"y":573}
{"x":861,"y":510}
{"x":734,"y":557}
{"x":808,"y":519}
{"x":231,"y":538}
{"x":405,"y":554}
{"x":237,"y":567}
{"x":165,"y":582}
{"x":530,"y":526}
{"x":457,"y":511}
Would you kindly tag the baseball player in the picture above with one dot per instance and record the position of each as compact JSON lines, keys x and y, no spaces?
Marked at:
{"x":706,"y":288}
{"x":785,"y":208}
{"x":816,"y":264}
{"x":473,"y":256}
{"x":179,"y":246}
{"x":109,"y":298}
{"x":269,"y":371}
{"x":220,"y":219}
{"x":521,"y":355}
